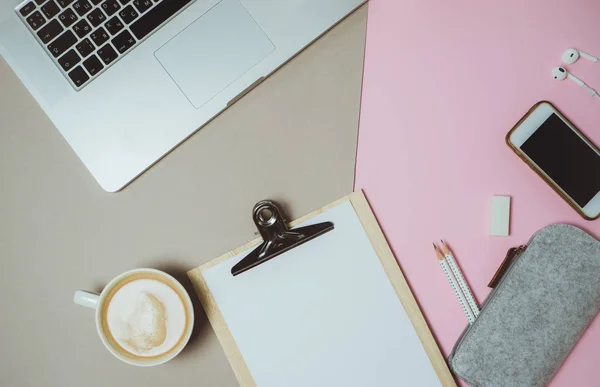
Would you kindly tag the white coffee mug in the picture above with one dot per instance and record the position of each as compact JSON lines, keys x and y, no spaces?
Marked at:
{"x":143,"y":346}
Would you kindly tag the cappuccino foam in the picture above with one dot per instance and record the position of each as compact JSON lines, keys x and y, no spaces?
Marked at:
{"x":146,"y":317}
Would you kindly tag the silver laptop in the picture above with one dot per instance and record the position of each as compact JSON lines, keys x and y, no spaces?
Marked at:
{"x":125,"y":81}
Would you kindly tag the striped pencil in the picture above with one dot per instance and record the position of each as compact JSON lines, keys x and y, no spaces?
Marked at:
{"x":460,"y":279}
{"x":454,"y":285}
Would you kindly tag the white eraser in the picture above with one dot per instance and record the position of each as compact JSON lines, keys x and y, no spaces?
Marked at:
{"x":500,"y":216}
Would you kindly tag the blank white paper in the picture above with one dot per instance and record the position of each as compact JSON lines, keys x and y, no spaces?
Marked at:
{"x":322,"y":315}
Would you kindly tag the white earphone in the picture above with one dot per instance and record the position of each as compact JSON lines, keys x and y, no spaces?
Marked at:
{"x":571,"y":56}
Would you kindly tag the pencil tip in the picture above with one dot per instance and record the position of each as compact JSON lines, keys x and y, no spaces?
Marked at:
{"x":438,"y":252}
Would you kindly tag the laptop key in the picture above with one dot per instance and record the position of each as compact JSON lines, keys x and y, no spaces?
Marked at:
{"x":142,"y":5}
{"x":69,"y":60}
{"x":50,"y":9}
{"x":39,"y":2}
{"x":64,"y":3}
{"x":50,"y":31}
{"x":156,"y":16}
{"x":128,"y":14}
{"x":82,"y":28}
{"x":78,"y":76}
{"x":85,"y":47}
{"x":27,"y":9}
{"x":99,"y":36}
{"x":93,"y":65}
{"x":82,"y":7}
{"x":68,"y":17}
{"x":36,"y":20}
{"x":96,"y":17}
{"x":110,"y":7}
{"x":114,"y":25}
{"x":62,"y":44}
{"x":96,"y":2}
{"x":107,"y":54}
{"x":123,"y":41}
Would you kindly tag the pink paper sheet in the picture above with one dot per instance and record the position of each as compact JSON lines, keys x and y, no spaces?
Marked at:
{"x":444,"y":82}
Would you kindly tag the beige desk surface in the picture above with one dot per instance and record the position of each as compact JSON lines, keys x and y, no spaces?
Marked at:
{"x":59,"y":231}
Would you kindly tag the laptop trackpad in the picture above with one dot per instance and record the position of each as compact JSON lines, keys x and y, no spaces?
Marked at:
{"x":214,"y":51}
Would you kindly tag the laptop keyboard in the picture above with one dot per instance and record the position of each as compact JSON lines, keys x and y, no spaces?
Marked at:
{"x":86,"y":37}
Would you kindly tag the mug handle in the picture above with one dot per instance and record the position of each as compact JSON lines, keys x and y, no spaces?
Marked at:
{"x":86,"y":299}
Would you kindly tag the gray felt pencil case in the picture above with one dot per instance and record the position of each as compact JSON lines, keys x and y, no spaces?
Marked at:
{"x":535,"y":315}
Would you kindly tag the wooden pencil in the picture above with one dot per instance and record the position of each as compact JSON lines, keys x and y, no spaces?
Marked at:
{"x":454,"y":285}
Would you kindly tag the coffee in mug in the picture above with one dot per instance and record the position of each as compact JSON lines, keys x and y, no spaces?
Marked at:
{"x":144,"y":317}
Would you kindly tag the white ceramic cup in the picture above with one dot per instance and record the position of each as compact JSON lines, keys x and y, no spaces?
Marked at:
{"x":96,"y":301}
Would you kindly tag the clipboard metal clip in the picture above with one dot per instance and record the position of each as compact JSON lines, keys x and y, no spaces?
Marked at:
{"x":277,"y":237}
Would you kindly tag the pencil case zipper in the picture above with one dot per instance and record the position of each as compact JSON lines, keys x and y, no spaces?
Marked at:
{"x":512,"y":254}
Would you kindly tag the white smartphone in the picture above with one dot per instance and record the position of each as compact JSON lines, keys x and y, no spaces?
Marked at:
{"x":560,"y":154}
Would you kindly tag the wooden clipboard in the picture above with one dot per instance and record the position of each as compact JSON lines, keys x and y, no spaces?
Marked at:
{"x":388,"y":262}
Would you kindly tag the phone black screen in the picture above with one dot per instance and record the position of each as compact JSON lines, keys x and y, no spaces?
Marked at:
{"x":566,"y":158}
